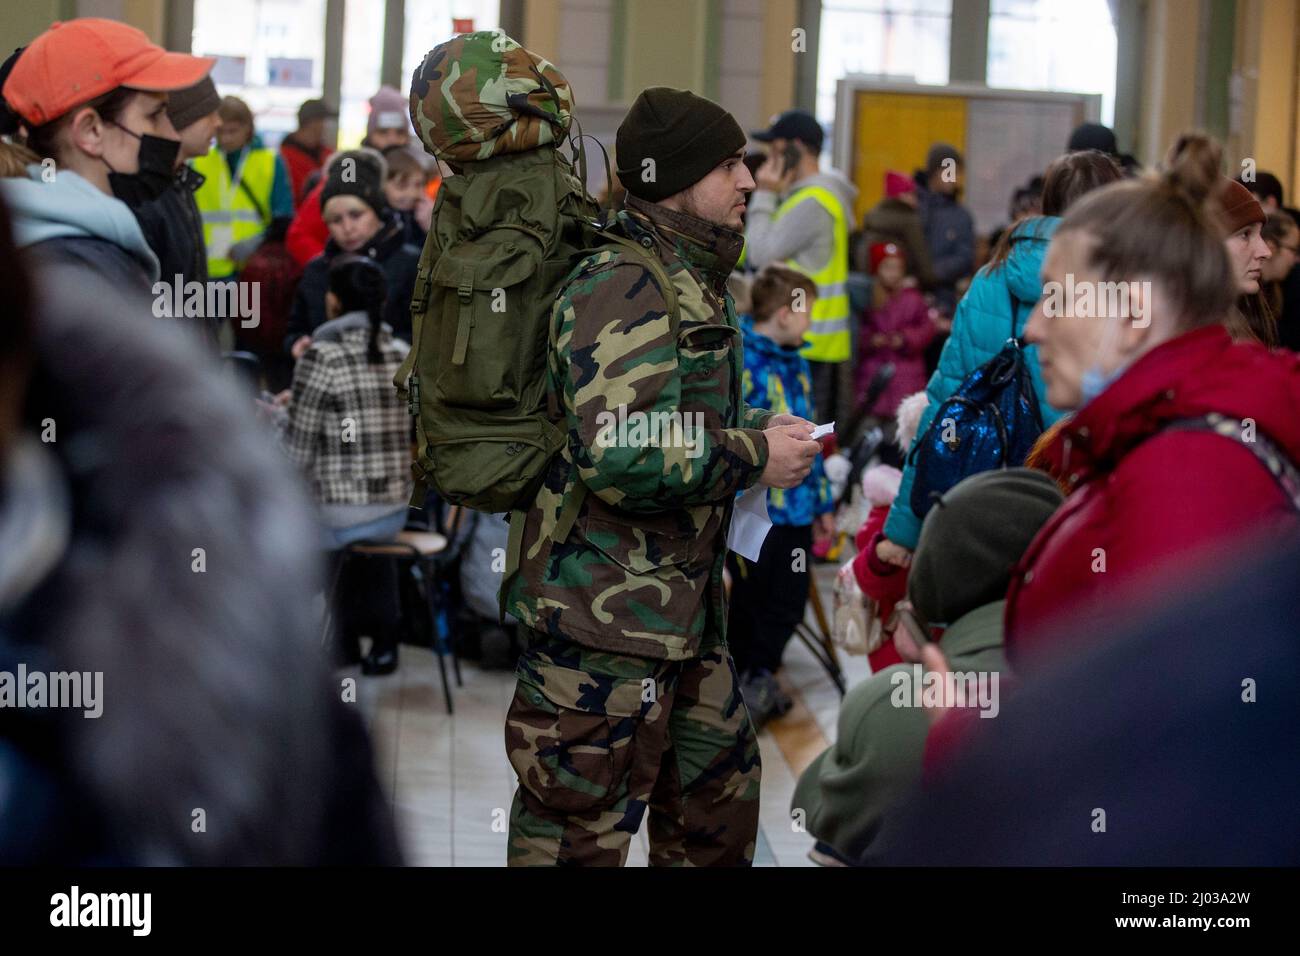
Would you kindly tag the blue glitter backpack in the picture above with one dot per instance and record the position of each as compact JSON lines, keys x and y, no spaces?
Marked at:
{"x":991,"y":421}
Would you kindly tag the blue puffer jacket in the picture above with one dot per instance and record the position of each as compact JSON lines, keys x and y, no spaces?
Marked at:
{"x":980,"y":328}
{"x":778,"y":378}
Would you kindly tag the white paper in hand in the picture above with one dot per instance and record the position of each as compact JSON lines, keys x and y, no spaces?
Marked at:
{"x":821,"y":431}
{"x":749,"y":523}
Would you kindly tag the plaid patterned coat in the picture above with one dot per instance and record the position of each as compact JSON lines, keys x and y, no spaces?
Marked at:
{"x":348,"y":431}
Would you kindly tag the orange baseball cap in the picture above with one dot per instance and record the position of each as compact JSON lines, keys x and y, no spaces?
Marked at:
{"x":75,"y":61}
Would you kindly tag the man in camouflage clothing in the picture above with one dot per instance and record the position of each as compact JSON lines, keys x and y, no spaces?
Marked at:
{"x":627,"y":697}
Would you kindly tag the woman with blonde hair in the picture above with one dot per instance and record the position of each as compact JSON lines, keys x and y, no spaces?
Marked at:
{"x":1184,"y":444}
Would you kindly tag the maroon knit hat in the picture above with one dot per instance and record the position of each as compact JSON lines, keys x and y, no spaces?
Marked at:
{"x":1238,"y":208}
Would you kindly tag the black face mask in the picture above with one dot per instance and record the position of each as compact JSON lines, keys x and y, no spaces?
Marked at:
{"x":157,"y":161}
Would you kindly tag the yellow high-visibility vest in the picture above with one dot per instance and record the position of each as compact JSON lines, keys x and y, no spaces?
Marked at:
{"x":828,"y":338}
{"x":229,"y":214}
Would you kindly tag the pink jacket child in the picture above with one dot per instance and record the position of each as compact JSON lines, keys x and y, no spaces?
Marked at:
{"x":896,"y":328}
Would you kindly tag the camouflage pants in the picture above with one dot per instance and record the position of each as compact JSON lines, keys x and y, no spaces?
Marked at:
{"x":597,"y":738}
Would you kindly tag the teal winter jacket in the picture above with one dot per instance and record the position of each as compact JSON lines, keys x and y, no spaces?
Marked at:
{"x":980,"y":328}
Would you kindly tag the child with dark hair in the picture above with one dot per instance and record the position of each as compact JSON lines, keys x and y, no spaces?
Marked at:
{"x":350,"y":434}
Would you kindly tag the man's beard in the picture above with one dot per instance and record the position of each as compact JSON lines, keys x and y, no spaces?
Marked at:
{"x":692,"y":208}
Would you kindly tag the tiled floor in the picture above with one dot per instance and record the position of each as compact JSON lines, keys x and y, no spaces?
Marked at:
{"x":451,"y":785}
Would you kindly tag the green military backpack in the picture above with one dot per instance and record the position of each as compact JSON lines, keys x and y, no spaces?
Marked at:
{"x":507,"y":230}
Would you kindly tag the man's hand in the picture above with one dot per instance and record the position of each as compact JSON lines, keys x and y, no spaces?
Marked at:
{"x":300,"y":345}
{"x":824,"y":527}
{"x":776,"y":421}
{"x":772,"y":174}
{"x":790,"y":455}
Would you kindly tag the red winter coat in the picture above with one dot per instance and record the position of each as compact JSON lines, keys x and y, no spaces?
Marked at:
{"x":307,"y":233}
{"x":301,"y":163}
{"x":1157,"y":503}
{"x":886,"y":583}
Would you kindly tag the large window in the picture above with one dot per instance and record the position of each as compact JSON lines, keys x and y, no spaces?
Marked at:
{"x":272,"y":55}
{"x":363,"y":54}
{"x":272,"y":52}
{"x":901,"y":39}
{"x":1049,"y":45}
{"x":430,"y":22}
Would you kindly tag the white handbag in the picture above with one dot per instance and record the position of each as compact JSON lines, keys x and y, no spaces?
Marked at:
{"x":856,"y":627}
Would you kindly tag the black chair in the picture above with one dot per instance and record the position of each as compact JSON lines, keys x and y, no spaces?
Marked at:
{"x":425,"y":559}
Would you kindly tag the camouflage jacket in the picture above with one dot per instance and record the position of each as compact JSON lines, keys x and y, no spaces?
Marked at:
{"x":659,"y":433}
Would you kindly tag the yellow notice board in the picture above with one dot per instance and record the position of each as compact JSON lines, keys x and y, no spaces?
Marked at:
{"x":895,"y":131}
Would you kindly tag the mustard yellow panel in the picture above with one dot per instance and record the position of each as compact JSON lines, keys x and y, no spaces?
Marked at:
{"x":894,"y":131}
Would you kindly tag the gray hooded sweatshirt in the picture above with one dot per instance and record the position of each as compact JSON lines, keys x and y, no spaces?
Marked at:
{"x":802,"y":234}
{"x":68,"y":220}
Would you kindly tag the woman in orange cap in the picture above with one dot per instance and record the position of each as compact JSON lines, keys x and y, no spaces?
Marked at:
{"x":91,"y":97}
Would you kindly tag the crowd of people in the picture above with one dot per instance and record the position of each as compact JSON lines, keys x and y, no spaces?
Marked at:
{"x":1164,"y":445}
{"x":1168,"y":426}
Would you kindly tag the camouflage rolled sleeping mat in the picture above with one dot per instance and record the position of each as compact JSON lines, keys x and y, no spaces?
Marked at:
{"x":481,"y":95}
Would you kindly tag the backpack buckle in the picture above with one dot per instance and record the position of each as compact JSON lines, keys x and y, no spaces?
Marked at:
{"x":413,"y":395}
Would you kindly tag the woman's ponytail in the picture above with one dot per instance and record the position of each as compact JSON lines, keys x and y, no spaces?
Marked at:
{"x":373,"y":355}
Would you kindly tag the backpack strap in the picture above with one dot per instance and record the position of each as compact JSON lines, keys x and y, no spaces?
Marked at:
{"x":651,"y":261}
{"x":1015,"y":304}
{"x":257,"y":203}
{"x":1269,"y":454}
{"x":573,"y":503}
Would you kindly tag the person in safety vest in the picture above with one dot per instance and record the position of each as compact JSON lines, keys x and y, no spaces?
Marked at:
{"x":245,"y":190}
{"x":799,"y":216}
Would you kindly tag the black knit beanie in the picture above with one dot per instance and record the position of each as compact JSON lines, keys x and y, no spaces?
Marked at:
{"x":360,"y":173}
{"x":685,"y":135}
{"x":973,"y":536}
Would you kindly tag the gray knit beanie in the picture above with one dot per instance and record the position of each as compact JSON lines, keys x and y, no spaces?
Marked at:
{"x":972,"y":538}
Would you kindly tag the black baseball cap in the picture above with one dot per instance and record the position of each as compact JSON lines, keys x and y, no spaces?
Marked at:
{"x":794,"y":124}
{"x":1093,"y":136}
{"x":314,"y":110}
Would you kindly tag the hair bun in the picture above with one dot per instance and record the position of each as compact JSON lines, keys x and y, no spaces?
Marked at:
{"x":1193,"y":167}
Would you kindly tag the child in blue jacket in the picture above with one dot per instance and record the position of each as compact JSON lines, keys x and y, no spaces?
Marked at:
{"x":768,"y":596}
